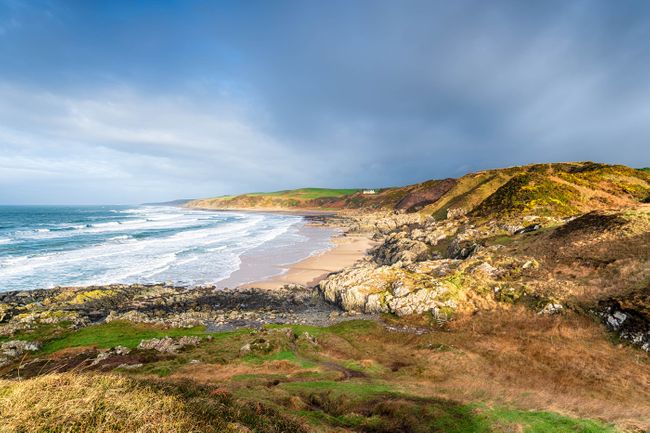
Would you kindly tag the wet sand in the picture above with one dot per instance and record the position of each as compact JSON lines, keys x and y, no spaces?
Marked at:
{"x":326,"y":250}
{"x":346,"y":251}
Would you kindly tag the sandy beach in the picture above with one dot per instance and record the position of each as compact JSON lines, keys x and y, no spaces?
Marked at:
{"x":347,"y":250}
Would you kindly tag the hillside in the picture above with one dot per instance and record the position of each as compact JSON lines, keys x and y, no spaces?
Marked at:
{"x":559,"y":189}
{"x":303,"y":198}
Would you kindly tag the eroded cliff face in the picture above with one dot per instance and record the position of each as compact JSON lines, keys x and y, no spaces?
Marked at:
{"x":589,"y":263}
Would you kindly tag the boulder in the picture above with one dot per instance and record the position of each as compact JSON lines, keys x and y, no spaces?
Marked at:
{"x":15,"y":348}
{"x":168,"y":344}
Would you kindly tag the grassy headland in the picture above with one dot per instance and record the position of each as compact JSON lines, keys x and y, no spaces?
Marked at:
{"x":303,"y":198}
{"x":557,"y":189}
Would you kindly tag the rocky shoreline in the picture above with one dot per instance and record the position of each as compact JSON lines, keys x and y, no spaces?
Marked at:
{"x":217,"y":309}
{"x":445,"y":268}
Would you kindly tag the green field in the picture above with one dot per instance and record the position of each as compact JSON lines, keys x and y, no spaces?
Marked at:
{"x":306,"y":193}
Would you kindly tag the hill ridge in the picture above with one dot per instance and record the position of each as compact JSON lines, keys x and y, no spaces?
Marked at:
{"x":553,"y":189}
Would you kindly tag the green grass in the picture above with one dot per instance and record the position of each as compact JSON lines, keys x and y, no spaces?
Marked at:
{"x":116,"y":333}
{"x":307,"y":193}
{"x":376,"y":407}
{"x":41,"y":332}
{"x":353,"y":327}
{"x":544,"y":422}
{"x":282,"y":355}
{"x":299,"y":329}
{"x":351,"y":389}
{"x":528,"y":193}
{"x":341,"y":328}
{"x":361,"y":404}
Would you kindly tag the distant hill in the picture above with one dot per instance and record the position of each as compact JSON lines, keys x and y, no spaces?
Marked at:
{"x":179,"y":202}
{"x":303,"y":198}
{"x":554,"y":189}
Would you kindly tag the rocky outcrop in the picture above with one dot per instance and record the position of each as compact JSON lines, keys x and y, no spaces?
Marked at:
{"x":218,"y":309}
{"x":371,"y":288}
{"x":398,"y":248}
{"x":629,"y":317}
{"x":13,"y":349}
{"x":168,"y":344}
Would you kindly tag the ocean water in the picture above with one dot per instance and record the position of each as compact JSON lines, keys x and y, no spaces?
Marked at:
{"x":46,"y":246}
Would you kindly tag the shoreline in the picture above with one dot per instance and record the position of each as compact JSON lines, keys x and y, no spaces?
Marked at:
{"x":344,"y":250}
{"x":316,"y":233}
{"x":297,"y":212}
{"x":347,"y":249}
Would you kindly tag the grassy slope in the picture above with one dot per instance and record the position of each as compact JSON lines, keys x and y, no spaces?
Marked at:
{"x":559,"y":189}
{"x":297,"y":198}
{"x":357,"y":377}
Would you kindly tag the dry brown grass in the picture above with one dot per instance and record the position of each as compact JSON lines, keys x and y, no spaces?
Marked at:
{"x":514,"y":357}
{"x":216,"y":373}
{"x":560,"y":363}
{"x":90,"y":403}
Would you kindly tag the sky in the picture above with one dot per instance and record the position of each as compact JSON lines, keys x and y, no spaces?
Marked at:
{"x":130,"y":101}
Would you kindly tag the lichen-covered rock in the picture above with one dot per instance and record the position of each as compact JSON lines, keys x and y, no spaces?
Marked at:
{"x":350,"y":288}
{"x":16,"y":348}
{"x":168,"y":344}
{"x":462,"y":250}
{"x":397,"y":248}
{"x":10,"y":350}
{"x":369,"y":288}
{"x":393,"y":221}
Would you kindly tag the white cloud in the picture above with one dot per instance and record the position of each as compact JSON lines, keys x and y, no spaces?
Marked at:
{"x":122,"y":136}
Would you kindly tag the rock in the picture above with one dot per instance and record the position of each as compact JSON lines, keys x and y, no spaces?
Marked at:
{"x":161,"y":305}
{"x":370,"y":289}
{"x":530,"y":264}
{"x":129,"y":366}
{"x":168,"y":344}
{"x":629,"y":316}
{"x":398,"y":248}
{"x":121,"y":350}
{"x":16,"y":348}
{"x":552,"y":308}
{"x":462,"y":250}
{"x":616,"y":319}
{"x":486,"y":269}
{"x":310,"y":338}
{"x":260,"y":344}
{"x":101,"y":356}
{"x":456,"y":213}
{"x":528,"y":229}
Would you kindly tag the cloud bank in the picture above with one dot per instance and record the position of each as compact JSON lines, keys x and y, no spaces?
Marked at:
{"x":124,"y":102}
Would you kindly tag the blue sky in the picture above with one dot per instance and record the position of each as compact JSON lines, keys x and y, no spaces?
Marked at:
{"x":131,"y":101}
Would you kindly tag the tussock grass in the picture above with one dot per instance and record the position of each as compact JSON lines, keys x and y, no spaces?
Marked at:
{"x":69,"y":402}
{"x":112,"y":403}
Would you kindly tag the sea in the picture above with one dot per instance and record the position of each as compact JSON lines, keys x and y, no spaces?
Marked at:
{"x":47,"y":246}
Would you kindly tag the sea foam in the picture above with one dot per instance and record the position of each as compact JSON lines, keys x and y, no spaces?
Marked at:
{"x":144,"y":244}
